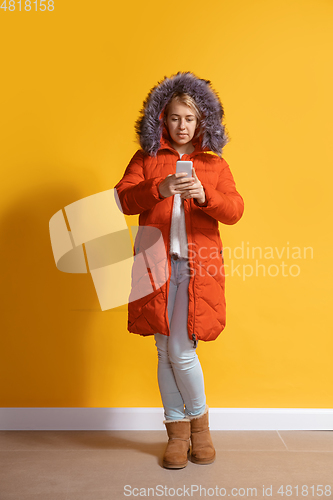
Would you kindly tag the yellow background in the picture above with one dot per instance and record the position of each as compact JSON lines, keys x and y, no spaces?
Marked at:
{"x":73,"y":81}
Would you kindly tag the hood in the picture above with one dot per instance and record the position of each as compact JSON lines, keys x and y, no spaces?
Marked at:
{"x":150,"y":125}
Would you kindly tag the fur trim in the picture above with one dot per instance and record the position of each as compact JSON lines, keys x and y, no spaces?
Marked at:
{"x":198,"y":416}
{"x":172,"y":421}
{"x":149,"y":126}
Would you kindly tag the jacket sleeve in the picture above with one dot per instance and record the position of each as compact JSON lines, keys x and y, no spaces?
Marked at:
{"x":137,"y":194}
{"x":223,"y":203}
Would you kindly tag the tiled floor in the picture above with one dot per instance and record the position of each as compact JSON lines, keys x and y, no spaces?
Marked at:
{"x":106,"y":465}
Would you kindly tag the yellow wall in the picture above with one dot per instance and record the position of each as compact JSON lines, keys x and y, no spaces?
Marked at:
{"x":72,"y":84}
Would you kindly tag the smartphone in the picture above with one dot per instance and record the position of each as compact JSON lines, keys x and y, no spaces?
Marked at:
{"x":184,"y":166}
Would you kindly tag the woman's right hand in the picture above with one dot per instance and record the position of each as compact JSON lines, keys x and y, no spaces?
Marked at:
{"x":175,"y":184}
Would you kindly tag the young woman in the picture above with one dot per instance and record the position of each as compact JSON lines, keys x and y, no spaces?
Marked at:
{"x":178,"y":288}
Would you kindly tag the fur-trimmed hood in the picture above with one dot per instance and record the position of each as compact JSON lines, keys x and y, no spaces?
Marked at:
{"x":150,"y":124}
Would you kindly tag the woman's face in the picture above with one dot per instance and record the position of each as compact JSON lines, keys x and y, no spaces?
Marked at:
{"x":181,"y":123}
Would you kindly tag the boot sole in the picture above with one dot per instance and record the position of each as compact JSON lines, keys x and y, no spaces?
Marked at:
{"x":203,"y":462}
{"x":166,"y":465}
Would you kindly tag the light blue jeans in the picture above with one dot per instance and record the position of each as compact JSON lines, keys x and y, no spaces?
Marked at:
{"x":180,"y":376}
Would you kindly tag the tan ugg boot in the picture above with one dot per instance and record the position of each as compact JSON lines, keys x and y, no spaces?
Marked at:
{"x":203,"y":451}
{"x":175,"y":456}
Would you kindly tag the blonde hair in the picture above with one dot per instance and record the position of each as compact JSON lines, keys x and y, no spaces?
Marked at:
{"x":184,"y":99}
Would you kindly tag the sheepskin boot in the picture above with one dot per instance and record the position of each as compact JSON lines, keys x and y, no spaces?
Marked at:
{"x":175,"y":456}
{"x":203,"y":451}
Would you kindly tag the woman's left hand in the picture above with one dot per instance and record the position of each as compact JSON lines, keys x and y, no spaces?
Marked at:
{"x":195,"y":191}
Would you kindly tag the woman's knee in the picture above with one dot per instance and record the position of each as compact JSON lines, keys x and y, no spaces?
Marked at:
{"x":182,"y":358}
{"x":161,"y":342}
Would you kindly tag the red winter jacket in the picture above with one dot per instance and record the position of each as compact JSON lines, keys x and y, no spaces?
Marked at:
{"x":138,"y":194}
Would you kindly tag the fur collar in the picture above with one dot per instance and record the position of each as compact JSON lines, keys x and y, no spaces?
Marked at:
{"x":149,"y":126}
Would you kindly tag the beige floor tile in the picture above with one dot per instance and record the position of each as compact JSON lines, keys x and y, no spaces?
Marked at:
{"x":247,"y":440}
{"x":18,"y":440}
{"x":61,"y":471}
{"x":72,"y":440}
{"x":34,"y":496}
{"x":258,"y":469}
{"x":34,"y":476}
{"x":308,"y":441}
{"x":84,"y":465}
{"x":37,"y":440}
{"x":55,"y":456}
{"x":116,"y":493}
{"x":142,"y":436}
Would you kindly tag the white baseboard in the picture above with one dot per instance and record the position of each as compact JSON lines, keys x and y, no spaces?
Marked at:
{"x":100,"y":419}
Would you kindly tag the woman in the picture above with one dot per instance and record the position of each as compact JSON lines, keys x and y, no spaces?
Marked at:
{"x":178,"y":288}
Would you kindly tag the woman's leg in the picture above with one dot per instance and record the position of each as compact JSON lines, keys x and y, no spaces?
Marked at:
{"x":183,"y":357}
{"x":171,"y":398}
{"x":180,"y":375}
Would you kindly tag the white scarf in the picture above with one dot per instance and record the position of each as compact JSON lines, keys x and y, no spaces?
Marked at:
{"x":178,"y":235}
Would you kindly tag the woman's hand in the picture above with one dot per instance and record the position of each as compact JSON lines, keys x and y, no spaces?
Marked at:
{"x":195,"y":190}
{"x":175,"y":184}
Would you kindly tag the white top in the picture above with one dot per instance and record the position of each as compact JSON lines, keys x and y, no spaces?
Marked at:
{"x":178,"y":236}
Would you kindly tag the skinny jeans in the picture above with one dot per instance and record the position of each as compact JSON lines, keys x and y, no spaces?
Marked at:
{"x":180,"y":376}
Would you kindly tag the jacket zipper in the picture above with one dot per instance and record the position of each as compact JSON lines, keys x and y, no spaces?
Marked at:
{"x":168,"y":282}
{"x":194,"y":338}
